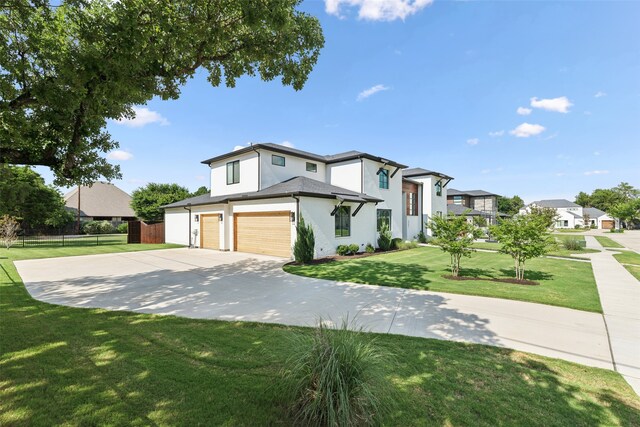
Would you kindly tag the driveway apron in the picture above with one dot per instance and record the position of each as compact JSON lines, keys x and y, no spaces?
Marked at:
{"x":206,"y":284}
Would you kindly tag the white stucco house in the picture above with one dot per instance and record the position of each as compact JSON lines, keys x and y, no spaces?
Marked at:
{"x":572,"y":214}
{"x":259,"y":193}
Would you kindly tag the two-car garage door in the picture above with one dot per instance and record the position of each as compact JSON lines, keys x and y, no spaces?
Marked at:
{"x":267,"y":233}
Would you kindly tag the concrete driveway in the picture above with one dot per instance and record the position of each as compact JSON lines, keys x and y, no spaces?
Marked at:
{"x":207,"y":284}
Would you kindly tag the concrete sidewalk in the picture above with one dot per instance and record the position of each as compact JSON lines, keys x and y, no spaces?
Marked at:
{"x":620,"y":297}
{"x":231,"y":286}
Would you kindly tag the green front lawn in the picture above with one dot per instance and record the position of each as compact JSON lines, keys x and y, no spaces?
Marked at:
{"x":71,"y":366}
{"x":562,"y":283}
{"x":18,"y":253}
{"x":608,"y":242}
{"x":631,"y":261}
{"x":558,"y":250}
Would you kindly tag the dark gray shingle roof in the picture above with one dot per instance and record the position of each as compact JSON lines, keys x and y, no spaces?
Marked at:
{"x":473,"y":193}
{"x":333,"y":158}
{"x":413,"y":172}
{"x":298,"y":186}
{"x":462,"y":210}
{"x":593,"y":212}
{"x":556,"y":203}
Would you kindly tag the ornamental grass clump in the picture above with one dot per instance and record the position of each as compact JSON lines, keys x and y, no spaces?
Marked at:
{"x":572,"y":243}
{"x":335,"y":377}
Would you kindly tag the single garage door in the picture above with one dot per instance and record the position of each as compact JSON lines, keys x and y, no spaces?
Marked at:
{"x":267,"y":233}
{"x":210,"y":231}
{"x":607,"y":224}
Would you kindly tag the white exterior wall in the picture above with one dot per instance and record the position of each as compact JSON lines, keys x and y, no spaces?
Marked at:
{"x":346,"y":175}
{"x":317,"y":212}
{"x":176,"y":223}
{"x":294,"y":166}
{"x":176,"y":226}
{"x":431,"y":203}
{"x":248,"y":175}
{"x":392,"y":197}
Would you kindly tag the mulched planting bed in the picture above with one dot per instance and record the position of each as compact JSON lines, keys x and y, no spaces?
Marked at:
{"x":514,"y":281}
{"x":333,"y":258}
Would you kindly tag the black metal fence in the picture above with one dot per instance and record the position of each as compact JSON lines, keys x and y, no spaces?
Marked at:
{"x":72,"y":240}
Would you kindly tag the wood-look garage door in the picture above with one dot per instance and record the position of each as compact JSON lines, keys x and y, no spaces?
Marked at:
{"x":210,"y":231}
{"x":607,"y":224}
{"x":267,"y":233}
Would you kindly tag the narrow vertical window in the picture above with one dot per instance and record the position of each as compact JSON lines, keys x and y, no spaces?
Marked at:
{"x":343,"y":221}
{"x":384,"y":218}
{"x":439,"y":188}
{"x":383,"y":179}
{"x":233,"y":172}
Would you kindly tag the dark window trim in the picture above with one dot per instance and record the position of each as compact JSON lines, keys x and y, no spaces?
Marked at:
{"x":273,"y":160}
{"x":342,"y":219}
{"x":314,"y":167}
{"x":383,"y":178}
{"x":378,"y":211}
{"x":235,"y":171}
{"x":438,"y":188}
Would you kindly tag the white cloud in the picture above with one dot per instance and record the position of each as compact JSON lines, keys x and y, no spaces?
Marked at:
{"x":600,"y":94}
{"x":596,"y":153}
{"x":587,"y":113}
{"x":561,"y":173}
{"x":524,"y":111}
{"x":143,"y":117}
{"x":377,"y":10}
{"x":525,"y":130}
{"x":496,"y":133}
{"x":287,"y":144}
{"x":240,"y":147}
{"x":119,"y":155}
{"x":559,"y":105}
{"x":596,"y":172}
{"x":485,"y":171}
{"x":200,"y":177}
{"x":473,"y":141}
{"x":371,"y":91}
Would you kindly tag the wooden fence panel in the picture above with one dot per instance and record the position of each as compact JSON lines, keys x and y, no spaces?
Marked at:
{"x":152,"y":233}
{"x":134,"y":233}
{"x":141,"y":232}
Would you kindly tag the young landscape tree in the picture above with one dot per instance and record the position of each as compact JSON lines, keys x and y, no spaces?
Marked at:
{"x":455,"y":235}
{"x":523,"y":237}
{"x":66,"y":67}
{"x":146,"y":201}
{"x":9,"y":228}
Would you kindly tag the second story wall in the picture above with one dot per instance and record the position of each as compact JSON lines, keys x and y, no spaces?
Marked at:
{"x":484,"y":204}
{"x":246,"y":176}
{"x":346,"y":174}
{"x":272,"y":174}
{"x":392,"y":196}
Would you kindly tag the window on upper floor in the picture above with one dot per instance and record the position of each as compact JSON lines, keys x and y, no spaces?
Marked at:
{"x":312,"y":167}
{"x":383,"y":178}
{"x":457,"y":200}
{"x":343,"y":221}
{"x":384,"y":217}
{"x":233,"y":172}
{"x":439,"y":188}
{"x":412,"y":204}
{"x":277,"y":160}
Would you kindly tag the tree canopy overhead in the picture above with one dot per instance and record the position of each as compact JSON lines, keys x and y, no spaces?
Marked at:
{"x":67,"y":68}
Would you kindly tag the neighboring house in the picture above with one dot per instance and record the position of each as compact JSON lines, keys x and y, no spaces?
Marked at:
{"x":100,"y":201}
{"x":425,"y":195}
{"x":259,"y":193}
{"x":478,"y":200}
{"x":598,"y":219}
{"x":458,"y":210}
{"x":572,"y":215}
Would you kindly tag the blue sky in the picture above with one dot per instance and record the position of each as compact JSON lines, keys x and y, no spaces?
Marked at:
{"x":538,"y":99}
